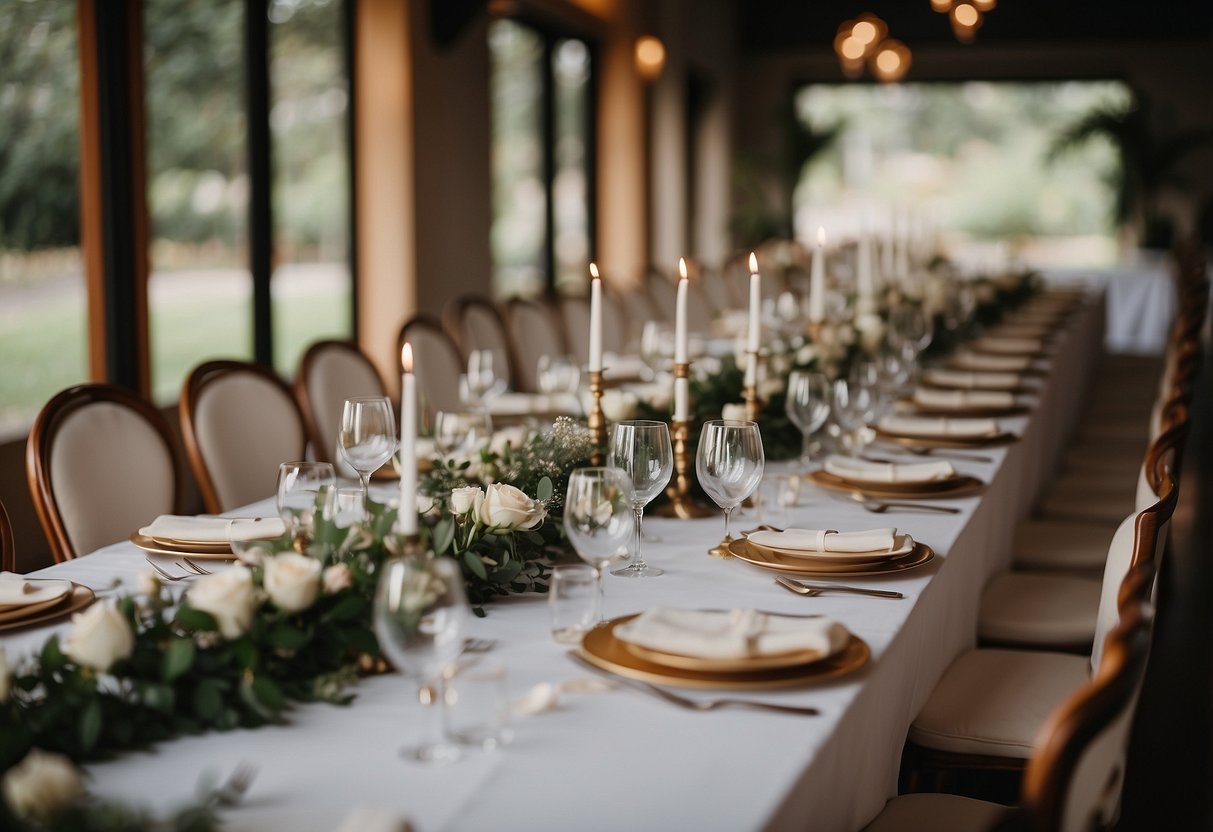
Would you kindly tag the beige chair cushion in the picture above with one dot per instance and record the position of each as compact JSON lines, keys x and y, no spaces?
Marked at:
{"x":246,"y":427}
{"x":336,"y":375}
{"x":1041,"y":610}
{"x":994,"y":702}
{"x":935,"y":812}
{"x":111,"y":473}
{"x":1069,"y":545}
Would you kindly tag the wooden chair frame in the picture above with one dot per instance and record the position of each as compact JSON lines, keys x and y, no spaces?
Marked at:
{"x":8,"y":549}
{"x":41,"y":441}
{"x":195,"y":385}
{"x":430,"y":323}
{"x":322,"y":446}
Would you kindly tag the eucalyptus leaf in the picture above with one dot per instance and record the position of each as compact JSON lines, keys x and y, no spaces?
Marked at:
{"x":177,"y":660}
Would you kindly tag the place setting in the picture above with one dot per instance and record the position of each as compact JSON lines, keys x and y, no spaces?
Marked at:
{"x":943,"y":432}
{"x":830,"y":553}
{"x":970,"y":359}
{"x":25,"y":602}
{"x":945,"y":378}
{"x":898,"y":480}
{"x":204,"y":537}
{"x":931,"y":401}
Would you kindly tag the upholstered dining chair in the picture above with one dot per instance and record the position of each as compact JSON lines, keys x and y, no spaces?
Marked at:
{"x":437,"y":365}
{"x":474,"y":323}
{"x":8,"y":549}
{"x":329,"y":373}
{"x":239,"y":422}
{"x":575,"y":321}
{"x":101,"y":463}
{"x":534,"y":332}
{"x":616,"y":325}
{"x":1075,"y":775}
{"x":717,"y":291}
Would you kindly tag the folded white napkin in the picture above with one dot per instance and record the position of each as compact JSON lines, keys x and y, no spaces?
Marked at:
{"x":205,"y":529}
{"x":731,"y":634}
{"x":1007,"y":344}
{"x":370,"y":819}
{"x":850,"y":468}
{"x":16,"y":591}
{"x":999,"y":363}
{"x":970,"y":381}
{"x":962,"y":399}
{"x":938,"y":426}
{"x":824,"y":540}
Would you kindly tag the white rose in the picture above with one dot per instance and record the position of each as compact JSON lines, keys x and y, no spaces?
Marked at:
{"x":466,"y":499}
{"x":292,"y":581}
{"x":228,"y":596}
{"x":6,"y":677}
{"x":336,"y":578}
{"x":252,"y":555}
{"x":807,"y":355}
{"x":100,"y":636}
{"x":148,"y":584}
{"x":41,"y":784}
{"x":770,"y":387}
{"x":733,"y":413}
{"x":618,"y":405}
{"x":507,"y":507}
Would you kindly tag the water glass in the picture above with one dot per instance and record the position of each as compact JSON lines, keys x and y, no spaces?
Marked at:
{"x":368,"y":436}
{"x":729,"y":464}
{"x":558,"y":376}
{"x":477,"y":703}
{"x":575,"y":601}
{"x":421,"y":616}
{"x":461,"y":434}
{"x":642,"y":449}
{"x":344,"y":506}
{"x":482,"y":382}
{"x":299,"y":496}
{"x":807,"y":404}
{"x":599,"y":518}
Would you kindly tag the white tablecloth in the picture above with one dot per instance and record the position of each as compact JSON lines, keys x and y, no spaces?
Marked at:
{"x":1141,"y":301}
{"x":622,"y":760}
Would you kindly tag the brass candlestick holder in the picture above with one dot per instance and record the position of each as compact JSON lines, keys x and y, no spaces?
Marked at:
{"x":749,"y":393}
{"x":595,"y":419}
{"x":681,"y":504}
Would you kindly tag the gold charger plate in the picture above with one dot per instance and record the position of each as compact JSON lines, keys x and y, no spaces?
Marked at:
{"x":600,"y":647}
{"x":995,"y":441}
{"x":19,"y":613}
{"x":912,"y":407}
{"x":189,"y":545}
{"x":958,"y":486}
{"x":76,"y":600}
{"x":679,"y":661}
{"x":152,"y":546}
{"x":1032,"y":371}
{"x":768,"y":559}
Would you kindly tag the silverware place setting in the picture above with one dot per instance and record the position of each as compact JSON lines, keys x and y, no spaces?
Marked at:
{"x":875,"y":506}
{"x":811,"y":590}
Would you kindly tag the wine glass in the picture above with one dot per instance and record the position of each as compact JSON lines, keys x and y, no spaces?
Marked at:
{"x":808,"y":406}
{"x":656,"y":348}
{"x":368,"y":436}
{"x":462,"y":433}
{"x":598,"y":516}
{"x":643,"y":451}
{"x":855,"y":405}
{"x":558,"y":376}
{"x":421,"y":616}
{"x":729,"y":465}
{"x":481,"y":383}
{"x":299,"y":488}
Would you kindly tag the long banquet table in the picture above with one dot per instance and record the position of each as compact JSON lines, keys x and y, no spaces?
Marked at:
{"x":620,"y":759}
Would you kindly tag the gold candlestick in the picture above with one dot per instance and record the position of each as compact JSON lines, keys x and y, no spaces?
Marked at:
{"x":749,"y":393}
{"x":596,"y":420}
{"x":681,"y":504}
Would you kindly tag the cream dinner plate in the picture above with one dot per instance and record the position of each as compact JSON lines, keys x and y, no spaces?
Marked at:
{"x":763,"y":558}
{"x":903,"y":544}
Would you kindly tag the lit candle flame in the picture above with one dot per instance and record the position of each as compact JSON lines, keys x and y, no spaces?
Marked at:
{"x":821,"y":236}
{"x":406,"y":357}
{"x":593,"y":270}
{"x":682,"y":268}
{"x":753,"y":263}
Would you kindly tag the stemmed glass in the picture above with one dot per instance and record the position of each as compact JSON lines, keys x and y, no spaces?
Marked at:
{"x":299,"y":487}
{"x":643,"y":451}
{"x":421,"y":616}
{"x":462,"y":433}
{"x":598,"y":517}
{"x":481,"y":383}
{"x":729,"y":465}
{"x":368,"y":437}
{"x":808,"y":406}
{"x":855,"y":405}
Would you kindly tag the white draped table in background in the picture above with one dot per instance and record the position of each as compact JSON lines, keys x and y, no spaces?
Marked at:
{"x":620,"y":759}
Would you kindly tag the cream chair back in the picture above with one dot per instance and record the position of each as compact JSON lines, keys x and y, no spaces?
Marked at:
{"x":437,"y":365}
{"x":329,"y":373}
{"x":475,"y":323}
{"x":535,"y":333}
{"x":1120,"y":557}
{"x":575,"y":317}
{"x":101,"y":463}
{"x":239,"y":422}
{"x":717,"y":291}
{"x":616,"y":327}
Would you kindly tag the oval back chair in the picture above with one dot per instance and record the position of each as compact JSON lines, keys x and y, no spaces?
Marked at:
{"x":575,"y":320}
{"x":475,"y":323}
{"x":8,"y":550}
{"x":535,"y":332}
{"x":437,"y":365}
{"x":616,"y":327}
{"x":101,"y":463}
{"x":239,"y":422}
{"x":329,"y":373}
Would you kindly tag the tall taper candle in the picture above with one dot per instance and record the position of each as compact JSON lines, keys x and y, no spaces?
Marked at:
{"x":407,"y":519}
{"x":753,"y":334}
{"x":817,"y":280}
{"x":595,"y":320}
{"x":681,"y":383}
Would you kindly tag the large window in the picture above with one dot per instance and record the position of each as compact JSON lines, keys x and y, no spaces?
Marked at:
{"x":43,"y":338}
{"x":542,"y":159}
{"x":979,"y":156}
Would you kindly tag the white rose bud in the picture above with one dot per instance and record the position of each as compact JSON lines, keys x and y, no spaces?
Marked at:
{"x":466,"y":499}
{"x":228,"y":596}
{"x":41,"y":784}
{"x":507,"y":507}
{"x":99,"y":637}
{"x":336,"y":578}
{"x":733,"y":413}
{"x":148,"y":584}
{"x":6,"y":677}
{"x":292,"y":581}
